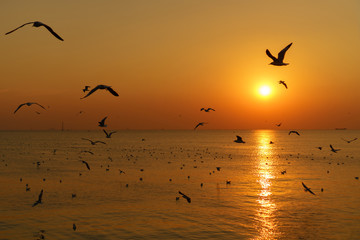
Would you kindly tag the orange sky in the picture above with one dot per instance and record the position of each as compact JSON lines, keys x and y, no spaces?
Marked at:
{"x":168,"y":59}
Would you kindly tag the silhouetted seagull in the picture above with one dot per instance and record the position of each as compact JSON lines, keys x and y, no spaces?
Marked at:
{"x":86,"y":88}
{"x":239,"y":140}
{"x":278,"y":125}
{"x":294,"y":132}
{"x":186,"y":197}
{"x":307,"y":189}
{"x":207,"y":109}
{"x":199,"y":124}
{"x":93,"y":142}
{"x":87,"y":165}
{"x":27,"y":104}
{"x":283,"y":83}
{"x":279,"y":61}
{"x":349,"y":141}
{"x":333,"y":149}
{"x":102,"y":122}
{"x":108,"y":135}
{"x":38,"y":24}
{"x":39,"y":199}
{"x":108,"y":88}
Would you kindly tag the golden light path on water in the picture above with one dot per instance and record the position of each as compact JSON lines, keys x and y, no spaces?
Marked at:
{"x":267,"y":206}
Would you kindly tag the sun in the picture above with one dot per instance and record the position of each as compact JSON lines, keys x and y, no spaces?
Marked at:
{"x":264,"y":90}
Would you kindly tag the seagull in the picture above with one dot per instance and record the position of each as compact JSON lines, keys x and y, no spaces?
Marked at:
{"x":39,"y":199}
{"x":38,"y":24}
{"x":108,"y":135}
{"x":87,"y":165}
{"x":93,"y":142}
{"x":283,"y":83}
{"x":349,"y":141}
{"x":108,"y":88}
{"x":27,"y":104}
{"x":102,"y":122}
{"x":239,"y":140}
{"x":199,"y":124}
{"x":207,"y":109}
{"x":307,"y":189}
{"x":186,"y":197}
{"x":278,"y":125}
{"x":86,"y":88}
{"x":279,"y":61}
{"x":334,"y":150}
{"x":294,"y":132}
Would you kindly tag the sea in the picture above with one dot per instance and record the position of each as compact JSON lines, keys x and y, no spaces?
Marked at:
{"x":251,"y":190}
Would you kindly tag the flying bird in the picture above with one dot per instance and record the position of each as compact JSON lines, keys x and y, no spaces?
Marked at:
{"x":186,"y":197}
{"x":39,"y":199}
{"x":278,"y":125}
{"x":38,"y":24}
{"x":87,"y":165}
{"x":102,"y":122}
{"x":294,"y":132}
{"x":306,"y":189}
{"x":27,"y":104}
{"x":86,"y":88}
{"x":108,"y":88}
{"x":333,"y":149}
{"x":199,"y":124}
{"x":283,"y":83}
{"x":93,"y":142}
{"x":349,"y":141}
{"x":279,"y":61}
{"x":85,"y":151}
{"x":108,"y":135}
{"x":207,"y":109}
{"x":239,"y":140}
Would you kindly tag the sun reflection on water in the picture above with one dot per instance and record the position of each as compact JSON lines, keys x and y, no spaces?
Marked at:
{"x":265,"y":213}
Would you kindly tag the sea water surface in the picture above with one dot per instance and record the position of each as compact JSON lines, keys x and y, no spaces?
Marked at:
{"x":238,"y":191}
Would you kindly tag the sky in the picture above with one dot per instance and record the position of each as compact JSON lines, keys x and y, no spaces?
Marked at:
{"x":168,"y":59}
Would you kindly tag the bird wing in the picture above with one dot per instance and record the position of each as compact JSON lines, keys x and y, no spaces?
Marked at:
{"x":238,"y":138}
{"x":270,"y":55}
{"x":281,"y":54}
{"x":40,"y":195}
{"x":105,"y":132}
{"x":112,"y":133}
{"x":112,"y":91}
{"x":211,"y":109}
{"x":18,"y":28}
{"x":202,"y":109}
{"x":87,"y":165}
{"x":353,"y":139}
{"x":103,"y":120}
{"x":52,"y":32}
{"x":332,"y":148}
{"x":91,"y":91}
{"x":297,"y":133}
{"x":39,"y":105}
{"x":86,"y":139}
{"x":100,"y":142}
{"x":19,"y":107}
{"x":197,"y":126}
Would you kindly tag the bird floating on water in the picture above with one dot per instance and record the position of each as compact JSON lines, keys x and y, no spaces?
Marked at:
{"x":38,"y":24}
{"x":296,"y":132}
{"x":307,"y":189}
{"x":239,"y":140}
{"x":93,"y":142}
{"x":108,"y":135}
{"x":102,"y":122}
{"x":279,"y":61}
{"x":27,"y":104}
{"x":283,"y":83}
{"x":333,"y":149}
{"x":39,"y":199}
{"x":207,"y":109}
{"x":108,"y":88}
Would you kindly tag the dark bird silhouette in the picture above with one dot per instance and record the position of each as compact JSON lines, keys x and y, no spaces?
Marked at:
{"x":207,"y":109}
{"x":283,"y":83}
{"x":239,"y":140}
{"x":39,"y":199}
{"x":38,"y":24}
{"x":199,"y":124}
{"x":349,"y":141}
{"x":85,"y":151}
{"x":108,"y":88}
{"x":186,"y":197}
{"x":74,"y":226}
{"x":279,"y":61}
{"x":93,"y":142}
{"x":278,"y":125}
{"x":333,"y":149}
{"x":108,"y":135}
{"x":218,"y":168}
{"x":87,"y":165}
{"x":307,"y":189}
{"x":86,"y":88}
{"x":27,"y":104}
{"x":294,"y":132}
{"x":320,"y":148}
{"x":102,"y":122}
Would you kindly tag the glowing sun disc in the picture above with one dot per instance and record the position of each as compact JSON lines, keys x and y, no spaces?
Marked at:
{"x":264,"y":90}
